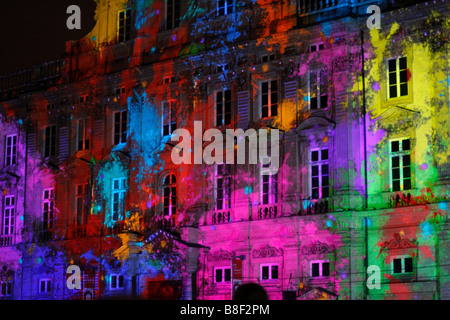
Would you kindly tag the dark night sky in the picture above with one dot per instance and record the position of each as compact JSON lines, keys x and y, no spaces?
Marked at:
{"x":34,"y":31}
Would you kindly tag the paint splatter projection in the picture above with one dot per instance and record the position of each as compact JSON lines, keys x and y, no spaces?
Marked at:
{"x":363,"y":118}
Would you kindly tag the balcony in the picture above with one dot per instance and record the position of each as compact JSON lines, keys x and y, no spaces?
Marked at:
{"x":165,"y":222}
{"x":268,"y":211}
{"x":6,"y":240}
{"x":309,"y":6}
{"x":314,"y":206}
{"x":78,"y":232}
{"x":220,"y":216}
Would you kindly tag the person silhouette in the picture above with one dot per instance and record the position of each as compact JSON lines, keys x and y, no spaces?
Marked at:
{"x":250,"y":291}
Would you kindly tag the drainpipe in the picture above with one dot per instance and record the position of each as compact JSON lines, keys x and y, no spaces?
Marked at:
{"x":366,"y":258}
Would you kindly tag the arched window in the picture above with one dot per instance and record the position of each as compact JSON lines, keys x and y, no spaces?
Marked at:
{"x":169,"y":195}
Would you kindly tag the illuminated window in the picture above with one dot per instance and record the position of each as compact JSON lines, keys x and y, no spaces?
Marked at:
{"x":269,"y":99}
{"x":48,"y":209}
{"x":11,"y":150}
{"x":402,"y":265}
{"x":118,"y":197}
{"x":124,"y":27}
{"x":169,"y":117}
{"x":120,"y":127}
{"x":82,"y":204}
{"x":169,"y":195}
{"x":45,"y":286}
{"x":400,"y":162}
{"x":398,"y":77}
{"x":269,"y":271}
{"x":50,"y":141}
{"x":318,"y":90}
{"x":9,"y":209}
{"x":223,"y":186}
{"x":116,"y":282}
{"x":223,"y":107}
{"x":269,"y":185}
{"x":320,"y":269}
{"x":6,"y":288}
{"x":83,"y":134}
{"x":173,"y":14}
{"x":222,"y":274}
{"x":225,"y":7}
{"x":319,"y":173}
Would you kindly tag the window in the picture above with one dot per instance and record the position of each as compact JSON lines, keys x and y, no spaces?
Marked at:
{"x":223,"y":107}
{"x":116,"y":282}
{"x":6,"y":288}
{"x":169,"y":117}
{"x":402,"y":265}
{"x":269,"y":271}
{"x":222,"y":274}
{"x":169,"y":195}
{"x":269,"y":99}
{"x":119,"y":91}
{"x":319,"y":174}
{"x":168,"y":80}
{"x":118,"y":197}
{"x":223,"y":186}
{"x":11,"y":150}
{"x":50,"y":141}
{"x":398,"y":77}
{"x":269,"y":185}
{"x":45,"y":286}
{"x":84,"y":98}
{"x":400,"y":160}
{"x":124,"y":27}
{"x":83,"y":134}
{"x":82,"y":204}
{"x":320,"y":269}
{"x":120,"y":127}
{"x":173,"y":14}
{"x":267,"y":58}
{"x":225,"y":7}
{"x":318,"y":86}
{"x":49,"y":202}
{"x":9,"y":209}
{"x":316,"y":47}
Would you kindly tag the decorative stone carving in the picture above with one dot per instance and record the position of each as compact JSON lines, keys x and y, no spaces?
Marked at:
{"x":220,"y":255}
{"x":267,"y":251}
{"x":316,"y":248}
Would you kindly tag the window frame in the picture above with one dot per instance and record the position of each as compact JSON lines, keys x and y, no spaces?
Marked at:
{"x":226,"y":7}
{"x":86,"y":134}
{"x":121,"y":191}
{"x":128,"y":25}
{"x":84,"y":200}
{"x":320,"y":262}
{"x":123,"y":126}
{"x":223,"y":104}
{"x":50,"y":141}
{"x":50,"y":201}
{"x":175,"y":22}
{"x":223,"y":275}
{"x":402,"y":257}
{"x":8,"y":228}
{"x":171,"y":124}
{"x":117,"y":287}
{"x":11,"y":156}
{"x":48,"y":285}
{"x":270,"y":105}
{"x":397,"y":78}
{"x":172,"y":203}
{"x":8,"y":288}
{"x":273,"y":191}
{"x":401,"y":153}
{"x":270,"y":273}
{"x":320,"y":162}
{"x":226,"y":175}
{"x":318,"y":92}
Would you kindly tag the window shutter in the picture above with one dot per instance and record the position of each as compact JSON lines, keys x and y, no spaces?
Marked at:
{"x":98,"y":135}
{"x":242,"y":105}
{"x":31,"y":143}
{"x":290,"y":91}
{"x":63,"y":144}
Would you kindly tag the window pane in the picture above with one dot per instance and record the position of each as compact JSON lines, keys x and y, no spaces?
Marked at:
{"x":403,"y":64}
{"x":397,"y":266}
{"x":392,"y":65}
{"x":406,"y":145}
{"x":408,"y":265}
{"x":315,"y":269}
{"x":265,"y":272}
{"x":274,"y":272}
{"x":326,"y":269}
{"x":218,"y":275}
{"x":315,"y":156}
{"x":227,"y":274}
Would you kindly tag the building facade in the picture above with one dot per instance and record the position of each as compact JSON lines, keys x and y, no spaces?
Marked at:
{"x":358,"y":208}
